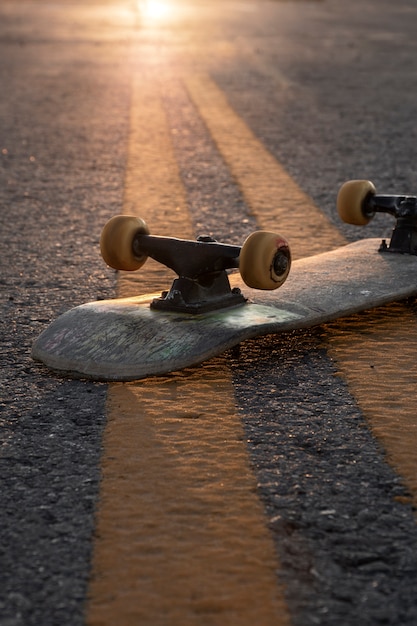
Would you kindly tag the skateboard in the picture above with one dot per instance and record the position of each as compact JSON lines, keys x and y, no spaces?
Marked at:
{"x":211,"y":308}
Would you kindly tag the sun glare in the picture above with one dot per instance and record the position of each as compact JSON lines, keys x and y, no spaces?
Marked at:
{"x":154,"y":9}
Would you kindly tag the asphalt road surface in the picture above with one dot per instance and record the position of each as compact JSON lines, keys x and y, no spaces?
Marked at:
{"x":276,"y":485}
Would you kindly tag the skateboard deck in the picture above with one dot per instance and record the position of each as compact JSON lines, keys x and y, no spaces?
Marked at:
{"x":124,"y":339}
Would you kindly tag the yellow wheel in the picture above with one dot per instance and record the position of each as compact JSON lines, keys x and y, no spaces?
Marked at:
{"x":265,"y":260}
{"x":351,"y":199}
{"x":116,"y":242}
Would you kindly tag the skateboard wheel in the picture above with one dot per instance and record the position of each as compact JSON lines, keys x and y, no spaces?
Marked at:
{"x":351,"y":201}
{"x":116,"y":242}
{"x":264,"y":260}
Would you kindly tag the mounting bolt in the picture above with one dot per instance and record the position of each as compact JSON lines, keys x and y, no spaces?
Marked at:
{"x":176,"y":296}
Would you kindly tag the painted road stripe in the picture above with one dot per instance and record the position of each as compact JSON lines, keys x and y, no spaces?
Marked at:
{"x":181,"y":536}
{"x":376,"y":357}
{"x":152,"y":189}
{"x":273,"y":196}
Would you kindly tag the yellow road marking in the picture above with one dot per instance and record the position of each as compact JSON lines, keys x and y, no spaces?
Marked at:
{"x":273,"y":196}
{"x":376,"y":354}
{"x":181,"y":535}
{"x":152,"y":190}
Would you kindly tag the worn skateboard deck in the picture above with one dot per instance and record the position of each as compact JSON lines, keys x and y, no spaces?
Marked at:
{"x":123,"y":339}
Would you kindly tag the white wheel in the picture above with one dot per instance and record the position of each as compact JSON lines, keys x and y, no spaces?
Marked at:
{"x":264,"y":260}
{"x":116,"y":242}
{"x":351,"y":199}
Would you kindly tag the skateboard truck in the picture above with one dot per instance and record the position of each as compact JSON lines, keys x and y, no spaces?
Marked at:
{"x":358,"y":202}
{"x":202,"y":285}
{"x":404,"y":234}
